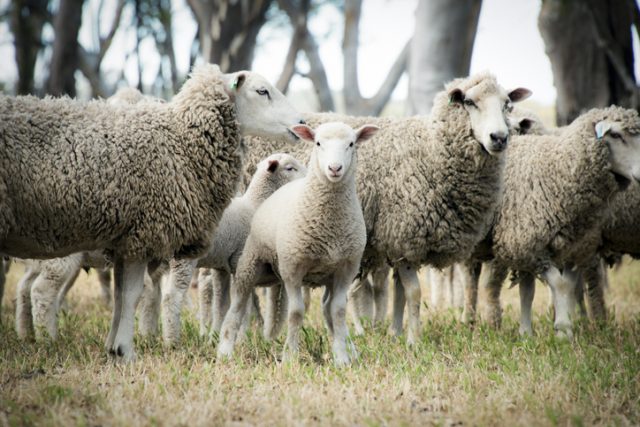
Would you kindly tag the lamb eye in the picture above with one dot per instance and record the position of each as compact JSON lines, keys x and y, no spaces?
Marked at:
{"x":351,"y":145}
{"x":508,"y":106}
{"x":469,"y":103}
{"x":263,"y":92}
{"x":318,"y":144}
{"x":290,"y":168}
{"x":615,"y":135}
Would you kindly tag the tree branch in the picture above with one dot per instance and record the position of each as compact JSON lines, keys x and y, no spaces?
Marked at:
{"x":350,"y":43}
{"x":381,"y":98}
{"x":105,"y":43}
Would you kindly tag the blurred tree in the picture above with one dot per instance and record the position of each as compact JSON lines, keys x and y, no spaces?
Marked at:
{"x":441,"y":48}
{"x":91,"y":60}
{"x":27,"y":19}
{"x":65,"y":55}
{"x":302,"y":39}
{"x":590,"y":47}
{"x":227,"y":30}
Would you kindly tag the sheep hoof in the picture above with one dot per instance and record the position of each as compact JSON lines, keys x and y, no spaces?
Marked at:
{"x":525,"y":331}
{"x":225,"y":349}
{"x":564,"y":333}
{"x":122,"y":354}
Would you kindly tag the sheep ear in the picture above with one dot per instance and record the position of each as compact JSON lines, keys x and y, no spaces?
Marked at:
{"x":365,"y":133}
{"x":456,"y":96}
{"x":602,"y":128}
{"x":525,"y":125}
{"x":519,"y":94}
{"x":238,"y":81}
{"x":304,"y":132}
{"x":273,"y":165}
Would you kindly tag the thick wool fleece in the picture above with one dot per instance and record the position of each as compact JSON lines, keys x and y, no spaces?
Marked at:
{"x":621,"y":234}
{"x":427,"y":187}
{"x":556,"y":195}
{"x":171,"y":170}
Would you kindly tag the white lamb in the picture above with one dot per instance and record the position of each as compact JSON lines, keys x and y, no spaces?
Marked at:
{"x":226,"y":248}
{"x":311,"y":231}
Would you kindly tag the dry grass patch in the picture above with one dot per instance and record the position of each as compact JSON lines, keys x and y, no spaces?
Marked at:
{"x":454,"y":375}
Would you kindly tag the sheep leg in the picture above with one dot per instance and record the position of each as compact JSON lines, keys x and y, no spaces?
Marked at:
{"x":527,"y":289}
{"x":457,"y":287}
{"x":293,"y":285}
{"x":342,"y":344}
{"x":104,"y":278}
{"x":361,"y":302}
{"x":306,"y":296}
{"x":470,"y":276}
{"x":398,"y":304}
{"x":435,"y":280}
{"x":221,"y":283}
{"x":62,"y":285}
{"x":246,"y":319}
{"x":413,"y":293}
{"x":563,"y":287}
{"x":131,"y":278}
{"x":150,"y":304}
{"x":326,"y":309}
{"x":205,"y":300}
{"x":24,"y":318}
{"x":48,"y":292}
{"x":173,"y":299}
{"x":496,"y":276}
{"x":275,"y":311}
{"x":249,"y":268}
{"x":447,"y":279}
{"x":594,"y":277}
{"x":380,"y":287}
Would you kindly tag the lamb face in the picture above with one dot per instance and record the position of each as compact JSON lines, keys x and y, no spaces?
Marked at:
{"x":488,"y":105}
{"x":262,"y":110}
{"x":624,"y":147}
{"x":281,"y":168}
{"x":335,"y":147}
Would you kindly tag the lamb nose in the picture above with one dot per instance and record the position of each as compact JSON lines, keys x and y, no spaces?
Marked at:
{"x":499,"y":137}
{"x":335,"y":169}
{"x":302,"y":122}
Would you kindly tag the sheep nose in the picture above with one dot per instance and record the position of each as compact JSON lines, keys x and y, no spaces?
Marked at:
{"x":335,"y":168}
{"x":498,"y":141}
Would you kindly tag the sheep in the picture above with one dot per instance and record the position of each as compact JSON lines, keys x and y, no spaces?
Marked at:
{"x":4,"y":269}
{"x":311,"y":226}
{"x":551,"y":215}
{"x":369,"y":299}
{"x":226,"y":246}
{"x":428,"y":185}
{"x":173,"y":169}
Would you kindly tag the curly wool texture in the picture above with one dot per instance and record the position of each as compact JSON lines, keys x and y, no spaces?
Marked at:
{"x":144,"y":181}
{"x":621,"y":234}
{"x":428,"y":189}
{"x":557,"y":190}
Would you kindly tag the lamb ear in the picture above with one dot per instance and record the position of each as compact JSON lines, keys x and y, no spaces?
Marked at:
{"x":273,"y":165}
{"x":519,"y":94}
{"x":304,"y":132}
{"x":238,"y":81}
{"x":525,"y":125}
{"x":456,"y":96}
{"x":365,"y":133}
{"x":602,"y":128}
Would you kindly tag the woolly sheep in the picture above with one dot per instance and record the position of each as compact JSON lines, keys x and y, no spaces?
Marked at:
{"x":226,"y":247}
{"x":556,"y":222}
{"x":174,"y":168}
{"x":311,"y":226}
{"x":428,"y":185}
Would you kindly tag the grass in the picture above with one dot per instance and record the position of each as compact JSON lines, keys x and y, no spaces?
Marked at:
{"x":455,"y":375}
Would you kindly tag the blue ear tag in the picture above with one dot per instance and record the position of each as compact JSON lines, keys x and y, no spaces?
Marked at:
{"x":234,"y":85}
{"x":601,"y":129}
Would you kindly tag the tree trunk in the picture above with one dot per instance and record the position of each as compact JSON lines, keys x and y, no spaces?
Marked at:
{"x":228,"y":30}
{"x":589,"y":45}
{"x":65,"y":56}
{"x":27,"y":19}
{"x":441,"y":48}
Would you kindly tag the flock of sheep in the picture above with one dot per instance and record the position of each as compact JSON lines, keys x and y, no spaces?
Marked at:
{"x":154,"y":190}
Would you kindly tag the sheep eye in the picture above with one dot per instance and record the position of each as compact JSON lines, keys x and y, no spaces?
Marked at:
{"x":351,"y":145}
{"x":318,"y":144}
{"x":615,"y":135}
{"x":508,"y":106}
{"x":469,"y":103}
{"x":263,"y":92}
{"x":290,"y":168}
